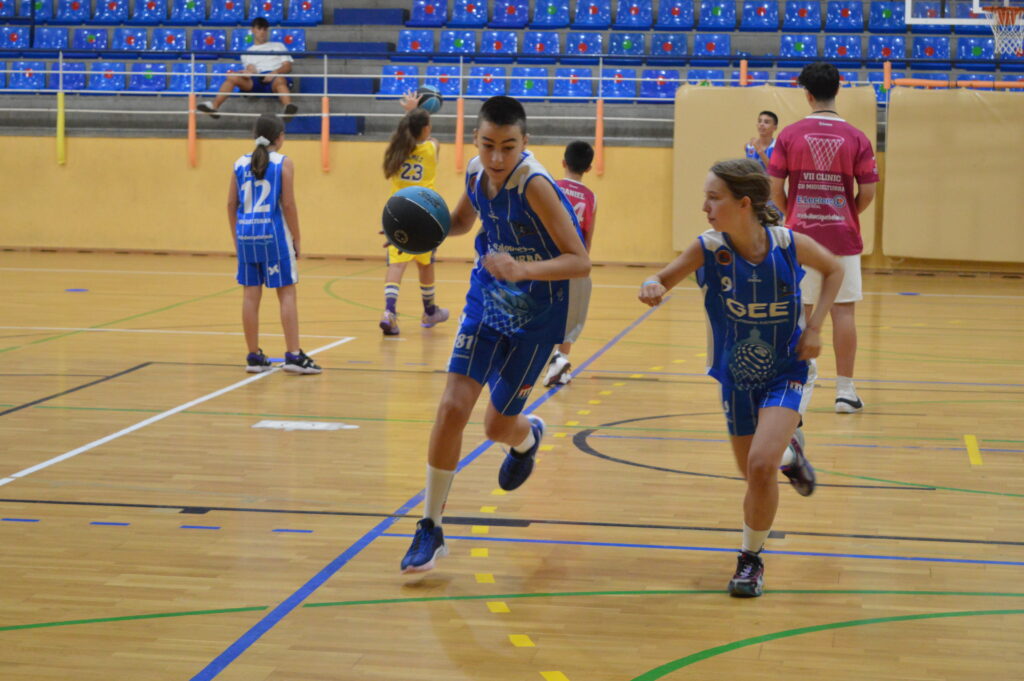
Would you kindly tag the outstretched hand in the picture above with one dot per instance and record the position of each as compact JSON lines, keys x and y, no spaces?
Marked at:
{"x":409,"y":100}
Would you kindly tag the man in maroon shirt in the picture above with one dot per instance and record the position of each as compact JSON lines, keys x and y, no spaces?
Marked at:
{"x":832,"y":176}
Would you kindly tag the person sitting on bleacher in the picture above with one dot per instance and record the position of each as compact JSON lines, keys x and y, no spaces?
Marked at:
{"x":271,"y":61}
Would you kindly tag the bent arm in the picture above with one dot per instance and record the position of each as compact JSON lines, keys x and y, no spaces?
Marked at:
{"x":573,"y":262}
{"x":288,"y":207}
{"x":233,"y":209}
{"x":778,"y":192}
{"x":865,"y":195}
{"x":463,"y":217}
{"x":809,"y":252}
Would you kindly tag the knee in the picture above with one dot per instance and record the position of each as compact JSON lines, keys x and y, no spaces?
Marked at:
{"x":452,"y":410}
{"x":761,"y":470}
{"x":499,"y":427}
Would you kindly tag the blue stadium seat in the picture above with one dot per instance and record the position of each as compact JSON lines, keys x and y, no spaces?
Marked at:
{"x":619,"y":84}
{"x":931,"y":47}
{"x":573,"y":82}
{"x":498,"y":46}
{"x":883,"y":48}
{"x":425,"y":13}
{"x":706,"y":77}
{"x":41,"y":10}
{"x":668,"y":45}
{"x":964,"y":10}
{"x":973,"y":52}
{"x":89,"y":39}
{"x":844,"y":16}
{"x":580,"y":45}
{"x":149,"y":12}
{"x":241,"y":39}
{"x":148,"y":76}
{"x":659,"y":84}
{"x":72,"y":76}
{"x":187,"y":12}
{"x":485,"y":81}
{"x":293,"y":38}
{"x":528,"y":82}
{"x":6,"y":12}
{"x":72,"y":12}
{"x":848,"y":78}
{"x":540,"y":46}
{"x":106,"y":76}
{"x":634,"y":14}
{"x":843,"y":49}
{"x":311,"y":13}
{"x":802,"y":16}
{"x":786,"y":79}
{"x":794,"y":45}
{"x":886,"y":16}
{"x":397,"y":79}
{"x":930,"y":9}
{"x":219,"y":73}
{"x":1017,"y":77}
{"x":675,"y":15}
{"x":712,"y":45}
{"x":209,"y":40}
{"x":444,"y":78}
{"x":593,"y":14}
{"x":550,"y":14}
{"x":759,"y":15}
{"x":986,"y":77}
{"x":130,"y":39}
{"x":414,"y":42}
{"x":110,"y":12}
{"x":468,"y":14}
{"x":183,"y":80}
{"x":271,"y":10}
{"x":27,"y":75}
{"x":51,"y":38}
{"x":754,"y":78}
{"x":226,"y":12}
{"x":717,"y":15}
{"x":625,"y":45}
{"x":455,"y":44}
{"x":877,"y":81}
{"x":169,"y":39}
{"x":1013,"y":62}
{"x":510,"y":14}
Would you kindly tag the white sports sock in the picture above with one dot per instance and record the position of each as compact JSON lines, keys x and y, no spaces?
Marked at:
{"x":527,"y":442}
{"x":439,"y":481}
{"x":753,"y":540}
{"x":844,"y":386}
{"x":788,"y":456}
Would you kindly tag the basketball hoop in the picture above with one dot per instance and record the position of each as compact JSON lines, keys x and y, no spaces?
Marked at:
{"x":1008,"y":28}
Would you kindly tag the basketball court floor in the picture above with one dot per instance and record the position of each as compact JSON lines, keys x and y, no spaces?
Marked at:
{"x":166,"y":516}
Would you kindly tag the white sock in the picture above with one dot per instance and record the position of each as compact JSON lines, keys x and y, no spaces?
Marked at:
{"x":439,"y":481}
{"x":844,"y":386}
{"x":527,"y":442}
{"x":753,"y":540}
{"x":788,"y":456}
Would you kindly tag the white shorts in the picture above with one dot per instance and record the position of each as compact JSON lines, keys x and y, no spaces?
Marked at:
{"x":849,"y":292}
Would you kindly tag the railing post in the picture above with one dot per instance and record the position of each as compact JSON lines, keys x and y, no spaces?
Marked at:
{"x":62,"y":148}
{"x":460,"y":130}
{"x":192,"y":112}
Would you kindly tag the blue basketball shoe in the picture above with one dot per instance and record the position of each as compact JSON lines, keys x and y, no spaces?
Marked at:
{"x":800,"y":472}
{"x":427,"y":546}
{"x":516,"y":467}
{"x":257,"y":362}
{"x":748,"y":582}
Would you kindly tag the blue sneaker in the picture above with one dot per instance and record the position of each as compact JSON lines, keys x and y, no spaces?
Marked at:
{"x":516,"y":468}
{"x":748,"y":582}
{"x":800,"y":472}
{"x":427,"y":546}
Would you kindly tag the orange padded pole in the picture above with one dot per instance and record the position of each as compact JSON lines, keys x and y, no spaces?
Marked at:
{"x":325,"y":134}
{"x":920,"y":82}
{"x":887,"y":75}
{"x":460,"y":131}
{"x":192,"y":129}
{"x":599,"y":139}
{"x":743,"y":73}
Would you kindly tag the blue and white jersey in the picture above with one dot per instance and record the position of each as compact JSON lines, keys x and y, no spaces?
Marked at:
{"x":751,"y":152}
{"x":754,"y":312}
{"x":541,"y":311}
{"x":261,"y":229}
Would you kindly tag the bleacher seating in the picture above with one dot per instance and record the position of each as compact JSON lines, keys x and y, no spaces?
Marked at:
{"x":485,"y":81}
{"x":539,"y":46}
{"x":706,"y":77}
{"x":209,"y":40}
{"x":455,"y":44}
{"x":573,"y":82}
{"x":271,"y":10}
{"x":528,"y":82}
{"x":413,"y":43}
{"x":930,"y":9}
{"x":149,"y":12}
{"x":72,"y":12}
{"x":974,"y":52}
{"x":130,"y":39}
{"x":668,"y":45}
{"x":71,"y":74}
{"x":796,"y":45}
{"x":427,"y":13}
{"x":887,"y":16}
{"x":786,"y":78}
{"x":110,"y":12}
{"x":659,"y":84}
{"x":802,"y":16}
{"x":882,"y":48}
{"x":498,"y":46}
{"x":304,"y":13}
{"x":51,"y":38}
{"x":621,"y":44}
{"x":89,"y":39}
{"x":510,"y":14}
{"x":618,"y":84}
{"x":759,"y":15}
{"x":983,"y":77}
{"x":468,"y":14}
{"x":27,"y":75}
{"x":634,"y":15}
{"x":712,"y":45}
{"x":187,"y":12}
{"x":877,"y":80}
{"x":444,"y":78}
{"x":584,"y":46}
{"x":148,"y":77}
{"x":183,"y":80}
{"x":550,"y":14}
{"x":293,"y":38}
{"x":15,"y":37}
{"x":106,"y":76}
{"x":674,"y":15}
{"x":593,"y":14}
{"x":226,"y":12}
{"x":754,"y":78}
{"x":219,"y":73}
{"x":964,"y":10}
{"x":169,"y":40}
{"x":717,"y":15}
{"x":931,"y":47}
{"x":396,"y":80}
{"x":843,"y":49}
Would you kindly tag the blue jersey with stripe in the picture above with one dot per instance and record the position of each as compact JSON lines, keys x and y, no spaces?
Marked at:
{"x":541,"y":311}
{"x":754,"y":312}
{"x":261,"y":229}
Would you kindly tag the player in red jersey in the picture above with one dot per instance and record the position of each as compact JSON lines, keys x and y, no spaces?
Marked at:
{"x":576,"y":162}
{"x":832,"y":177}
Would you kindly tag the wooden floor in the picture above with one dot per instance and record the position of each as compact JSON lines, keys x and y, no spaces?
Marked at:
{"x":152,"y":530}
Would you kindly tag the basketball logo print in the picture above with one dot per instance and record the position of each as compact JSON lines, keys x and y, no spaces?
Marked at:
{"x":400,"y":236}
{"x":752,"y":361}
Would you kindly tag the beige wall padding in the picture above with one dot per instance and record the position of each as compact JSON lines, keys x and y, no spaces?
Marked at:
{"x":713,"y":124}
{"x":955,"y":175}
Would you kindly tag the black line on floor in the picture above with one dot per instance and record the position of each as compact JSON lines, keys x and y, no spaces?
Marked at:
{"x":75,"y":389}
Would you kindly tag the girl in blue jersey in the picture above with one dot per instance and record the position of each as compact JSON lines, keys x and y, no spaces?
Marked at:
{"x":265,"y":227}
{"x":528,"y":292}
{"x":760,"y":347}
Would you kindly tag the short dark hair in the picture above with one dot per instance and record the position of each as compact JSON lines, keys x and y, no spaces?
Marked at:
{"x":260,"y":22}
{"x":821,"y":79}
{"x":502,"y":110}
{"x":770,"y":114}
{"x":578,"y":156}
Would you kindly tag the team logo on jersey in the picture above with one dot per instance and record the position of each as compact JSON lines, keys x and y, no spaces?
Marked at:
{"x":723,"y":257}
{"x":785,"y":289}
{"x":796,"y":386}
{"x":523,"y":229}
{"x":273,"y":269}
{"x":726,"y":284}
{"x":524,"y":392}
{"x":754,"y":279}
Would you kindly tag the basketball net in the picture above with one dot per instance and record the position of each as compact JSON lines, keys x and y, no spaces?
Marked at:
{"x":823,"y":150}
{"x":1008,"y":28}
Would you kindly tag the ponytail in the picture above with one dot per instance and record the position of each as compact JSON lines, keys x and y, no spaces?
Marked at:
{"x":404,"y":139}
{"x":746,"y":177}
{"x":266,"y":131}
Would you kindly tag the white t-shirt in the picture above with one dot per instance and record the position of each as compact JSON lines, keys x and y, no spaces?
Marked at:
{"x":267,"y":62}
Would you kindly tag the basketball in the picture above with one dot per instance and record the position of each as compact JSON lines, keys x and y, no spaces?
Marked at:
{"x":430,"y":98}
{"x":416,"y":220}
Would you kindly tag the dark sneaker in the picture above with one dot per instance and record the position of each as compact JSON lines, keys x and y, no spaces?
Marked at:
{"x":427,"y":546}
{"x":207,"y":108}
{"x":800,"y":472}
{"x":300,"y":364}
{"x":558,"y":370}
{"x":389,"y":323}
{"x":848,"y":404}
{"x":257,"y":362}
{"x":516,"y":467}
{"x":748,"y":582}
{"x":289,"y":111}
{"x":439,"y":315}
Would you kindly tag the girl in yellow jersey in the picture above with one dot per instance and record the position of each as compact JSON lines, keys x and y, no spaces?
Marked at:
{"x":410,"y":160}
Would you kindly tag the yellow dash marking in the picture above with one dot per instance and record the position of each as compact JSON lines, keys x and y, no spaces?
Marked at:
{"x":497,"y":607}
{"x":583,"y":412}
{"x":484,"y":578}
{"x":481,"y":529}
{"x":678,"y":361}
{"x":498,"y":492}
{"x":572,"y":423}
{"x":593,"y":401}
{"x":559,"y":434}
{"x":478,"y":553}
{"x":636,"y":375}
{"x":521,"y":640}
{"x":605,"y":392}
{"x":973,"y":453}
{"x":656,"y":368}
{"x":701,"y":354}
{"x":554,"y":676}
{"x":488,"y":509}
{"x":618,"y":385}
{"x":546,"y":448}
